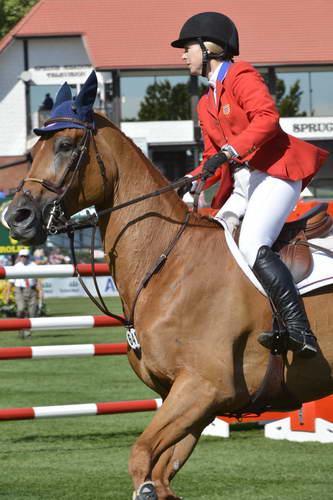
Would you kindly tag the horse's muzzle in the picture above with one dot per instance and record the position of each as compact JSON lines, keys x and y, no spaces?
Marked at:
{"x":25,"y":221}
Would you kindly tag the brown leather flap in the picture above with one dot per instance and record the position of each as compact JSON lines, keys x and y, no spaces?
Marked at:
{"x":297,"y":258}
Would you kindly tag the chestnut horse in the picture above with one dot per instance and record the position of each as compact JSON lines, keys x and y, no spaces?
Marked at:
{"x":198,"y":317}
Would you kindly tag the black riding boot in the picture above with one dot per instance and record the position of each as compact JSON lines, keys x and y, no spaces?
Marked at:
{"x":278,"y":283}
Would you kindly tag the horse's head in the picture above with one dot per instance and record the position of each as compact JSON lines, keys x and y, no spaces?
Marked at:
{"x":54,"y":188}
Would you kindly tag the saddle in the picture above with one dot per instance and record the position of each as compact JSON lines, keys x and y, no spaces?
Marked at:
{"x":291,"y":242}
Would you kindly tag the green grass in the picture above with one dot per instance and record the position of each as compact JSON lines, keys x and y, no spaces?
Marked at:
{"x":86,"y":457}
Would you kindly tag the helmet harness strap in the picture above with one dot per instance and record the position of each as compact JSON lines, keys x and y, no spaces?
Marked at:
{"x":206,"y":57}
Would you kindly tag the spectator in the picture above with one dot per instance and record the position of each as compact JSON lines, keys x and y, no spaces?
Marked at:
{"x":40,"y":259}
{"x":39,"y":256}
{"x":3,"y":260}
{"x":25,"y":292}
{"x":57,"y":258}
{"x":47,"y":104}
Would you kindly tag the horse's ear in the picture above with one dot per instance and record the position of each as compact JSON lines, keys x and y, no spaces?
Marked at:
{"x":64,"y":94}
{"x":87,"y":95}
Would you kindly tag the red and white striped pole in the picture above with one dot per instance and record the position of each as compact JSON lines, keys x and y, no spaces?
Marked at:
{"x":90,"y":409}
{"x":52,"y":271}
{"x":60,"y":322}
{"x":62,"y":351}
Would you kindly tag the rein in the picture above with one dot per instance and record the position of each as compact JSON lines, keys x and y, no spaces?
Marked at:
{"x":57,"y":214}
{"x":92,"y":220}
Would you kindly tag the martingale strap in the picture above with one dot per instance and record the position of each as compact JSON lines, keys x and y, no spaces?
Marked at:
{"x":101,"y":305}
{"x":158,"y":265}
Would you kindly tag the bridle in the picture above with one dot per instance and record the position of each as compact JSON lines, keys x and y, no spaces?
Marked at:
{"x":56,"y":212}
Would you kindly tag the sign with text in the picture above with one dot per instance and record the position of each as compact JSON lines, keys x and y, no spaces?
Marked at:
{"x":70,"y":287}
{"x":309,"y":127}
{"x":7,"y":244}
{"x":57,"y":75}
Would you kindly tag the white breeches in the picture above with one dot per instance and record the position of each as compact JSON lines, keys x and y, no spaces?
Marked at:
{"x":265,"y":202}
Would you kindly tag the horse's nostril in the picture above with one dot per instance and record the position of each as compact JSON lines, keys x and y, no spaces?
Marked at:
{"x":22,"y":215}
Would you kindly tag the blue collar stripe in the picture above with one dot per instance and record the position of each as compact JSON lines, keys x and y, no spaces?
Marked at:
{"x":223,"y":71}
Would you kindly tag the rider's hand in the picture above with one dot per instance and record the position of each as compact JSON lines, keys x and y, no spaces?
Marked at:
{"x":184,"y":189}
{"x":213,"y":163}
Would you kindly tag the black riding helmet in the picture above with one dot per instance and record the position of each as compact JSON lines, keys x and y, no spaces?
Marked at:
{"x":213,"y":27}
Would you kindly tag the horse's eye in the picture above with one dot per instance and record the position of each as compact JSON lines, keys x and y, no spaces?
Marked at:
{"x":65,"y":146}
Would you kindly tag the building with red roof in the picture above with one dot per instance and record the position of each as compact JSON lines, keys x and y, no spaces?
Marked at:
{"x":128,"y":43}
{"x":137,"y":35}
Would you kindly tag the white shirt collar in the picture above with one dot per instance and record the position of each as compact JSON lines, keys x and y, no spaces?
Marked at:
{"x":213,"y":78}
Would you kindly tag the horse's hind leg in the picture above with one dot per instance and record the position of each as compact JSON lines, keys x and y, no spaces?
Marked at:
{"x":172,"y":460}
{"x":188,"y":406}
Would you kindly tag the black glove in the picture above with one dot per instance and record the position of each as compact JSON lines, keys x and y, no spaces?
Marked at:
{"x":184,"y":189}
{"x":213,"y":163}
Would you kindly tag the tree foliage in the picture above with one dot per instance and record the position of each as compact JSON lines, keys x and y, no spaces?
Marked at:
{"x":11,"y":11}
{"x":166,"y":102}
{"x":288,"y":105}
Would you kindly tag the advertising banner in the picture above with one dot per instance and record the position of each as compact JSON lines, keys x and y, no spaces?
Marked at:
{"x":7,"y":244}
{"x":70,"y":287}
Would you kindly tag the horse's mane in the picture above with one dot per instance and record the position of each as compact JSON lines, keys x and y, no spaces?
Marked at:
{"x":103,"y":121}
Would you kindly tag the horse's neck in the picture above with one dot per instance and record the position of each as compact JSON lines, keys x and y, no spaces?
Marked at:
{"x":134,"y":237}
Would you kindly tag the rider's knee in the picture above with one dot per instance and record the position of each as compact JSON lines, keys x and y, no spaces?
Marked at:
{"x":249,"y":250}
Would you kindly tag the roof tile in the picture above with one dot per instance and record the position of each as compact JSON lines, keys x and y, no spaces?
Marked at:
{"x":137,"y":34}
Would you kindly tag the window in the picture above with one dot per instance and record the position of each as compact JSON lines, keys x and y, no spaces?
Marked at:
{"x":42,"y":98}
{"x":316,"y":99}
{"x":134,"y":96}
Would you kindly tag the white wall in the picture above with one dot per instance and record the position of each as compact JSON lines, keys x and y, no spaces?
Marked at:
{"x":12,"y":102}
{"x":47,"y":52}
{"x":178,"y":131}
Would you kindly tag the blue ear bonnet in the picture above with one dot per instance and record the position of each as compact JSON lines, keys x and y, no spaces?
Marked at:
{"x":81,"y":108}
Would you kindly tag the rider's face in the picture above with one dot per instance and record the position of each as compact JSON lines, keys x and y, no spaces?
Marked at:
{"x":193,"y":57}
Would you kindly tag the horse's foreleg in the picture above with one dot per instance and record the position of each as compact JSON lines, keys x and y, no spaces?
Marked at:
{"x":172,"y":460}
{"x":189,"y":405}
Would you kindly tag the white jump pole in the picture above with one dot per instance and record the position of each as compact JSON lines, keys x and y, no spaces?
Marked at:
{"x":57,"y":323}
{"x":90,"y":409}
{"x":62,"y":351}
{"x":52,"y":271}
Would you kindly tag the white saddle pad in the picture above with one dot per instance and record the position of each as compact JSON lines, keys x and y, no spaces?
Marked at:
{"x":321,"y":275}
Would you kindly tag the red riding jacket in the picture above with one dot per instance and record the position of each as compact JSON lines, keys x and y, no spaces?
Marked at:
{"x":246,"y":117}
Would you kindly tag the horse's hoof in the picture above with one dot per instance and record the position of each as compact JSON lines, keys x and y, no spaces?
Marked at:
{"x":145,"y":492}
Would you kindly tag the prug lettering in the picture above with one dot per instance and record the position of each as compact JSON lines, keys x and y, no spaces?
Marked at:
{"x":299,"y":128}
